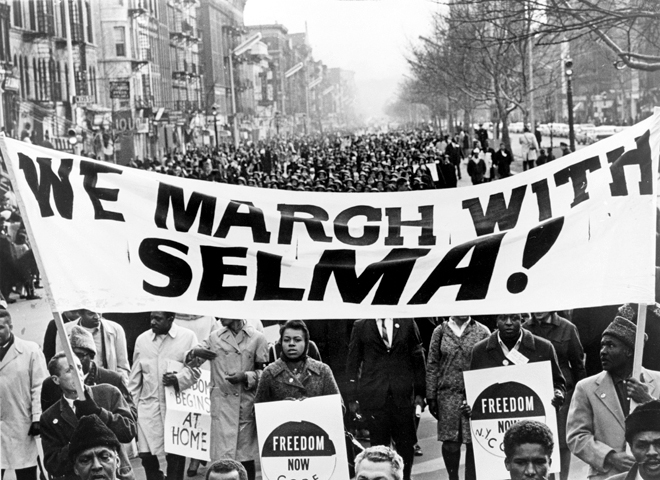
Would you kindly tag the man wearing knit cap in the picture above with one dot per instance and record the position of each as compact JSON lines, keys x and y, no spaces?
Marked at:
{"x":94,"y":450}
{"x":84,"y":347}
{"x":595,"y":431}
{"x":643,"y":436}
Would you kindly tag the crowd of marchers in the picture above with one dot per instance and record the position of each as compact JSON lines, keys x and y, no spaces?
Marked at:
{"x":386,"y":370}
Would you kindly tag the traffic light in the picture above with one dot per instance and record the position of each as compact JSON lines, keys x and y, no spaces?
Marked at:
{"x":73,"y":137}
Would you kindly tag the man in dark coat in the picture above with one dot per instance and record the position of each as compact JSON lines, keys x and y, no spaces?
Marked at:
{"x":387,"y":378}
{"x":455,"y":154}
{"x":502,"y":161}
{"x":83,"y":346}
{"x":498,"y":350}
{"x":59,"y":422}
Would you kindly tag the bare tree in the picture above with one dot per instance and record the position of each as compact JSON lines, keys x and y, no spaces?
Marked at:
{"x":630,"y":29}
{"x":476,"y":60}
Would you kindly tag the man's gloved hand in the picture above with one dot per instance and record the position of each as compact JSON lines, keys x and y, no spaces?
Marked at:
{"x":87,"y":406}
{"x":170,"y":380}
{"x":433,"y":407}
{"x":204,"y":353}
{"x":35,"y":429}
{"x":558,"y":399}
{"x":238,"y":377}
{"x":353,"y":407}
{"x":465,"y":409}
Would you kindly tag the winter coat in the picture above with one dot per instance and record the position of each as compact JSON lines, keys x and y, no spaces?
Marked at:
{"x":150,"y":362}
{"x":476,"y":170}
{"x":233,"y":427}
{"x":279,"y":383}
{"x":59,"y":422}
{"x":22,"y":372}
{"x":449,"y":357}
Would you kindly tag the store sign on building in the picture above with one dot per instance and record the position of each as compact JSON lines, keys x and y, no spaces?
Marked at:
{"x":11,"y":84}
{"x":121,"y":90}
{"x":124,"y":122}
{"x":142,"y":125}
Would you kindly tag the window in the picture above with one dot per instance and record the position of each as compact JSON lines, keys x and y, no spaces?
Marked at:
{"x":18,"y":13}
{"x":120,"y":41}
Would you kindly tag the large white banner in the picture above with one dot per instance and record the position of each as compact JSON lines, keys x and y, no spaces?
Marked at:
{"x":302,"y":439}
{"x":577,"y":232}
{"x":188,"y":417}
{"x":500,"y":397}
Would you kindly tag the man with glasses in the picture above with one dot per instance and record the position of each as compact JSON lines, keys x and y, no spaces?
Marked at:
{"x":511,"y":344}
{"x":83,"y":346}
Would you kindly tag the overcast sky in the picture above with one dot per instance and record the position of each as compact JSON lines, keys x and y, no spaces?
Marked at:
{"x":369,"y":37}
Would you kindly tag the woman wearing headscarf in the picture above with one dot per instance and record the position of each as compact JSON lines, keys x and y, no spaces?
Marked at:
{"x":295,"y":375}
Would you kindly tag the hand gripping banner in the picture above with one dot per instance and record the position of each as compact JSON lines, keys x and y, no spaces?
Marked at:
{"x":576,"y":232}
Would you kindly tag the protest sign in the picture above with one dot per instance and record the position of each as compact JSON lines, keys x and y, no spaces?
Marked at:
{"x":500,"y":397}
{"x":188,"y":417}
{"x":113,"y":238}
{"x":302,"y":439}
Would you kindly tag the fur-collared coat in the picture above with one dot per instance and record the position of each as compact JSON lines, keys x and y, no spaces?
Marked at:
{"x":279,"y":383}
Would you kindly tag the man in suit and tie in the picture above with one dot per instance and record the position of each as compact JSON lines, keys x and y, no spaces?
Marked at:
{"x":595,"y":431}
{"x":387,"y":380}
{"x":59,"y":422}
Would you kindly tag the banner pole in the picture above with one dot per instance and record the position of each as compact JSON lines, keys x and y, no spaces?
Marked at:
{"x":44,"y":277}
{"x":639,"y":340}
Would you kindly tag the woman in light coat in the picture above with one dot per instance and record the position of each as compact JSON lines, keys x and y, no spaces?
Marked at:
{"x":530,"y":149}
{"x":238,"y":354}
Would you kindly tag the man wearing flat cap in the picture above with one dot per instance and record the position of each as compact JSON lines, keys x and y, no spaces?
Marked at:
{"x":595,"y":431}
{"x":94,"y":450}
{"x":643,"y":436}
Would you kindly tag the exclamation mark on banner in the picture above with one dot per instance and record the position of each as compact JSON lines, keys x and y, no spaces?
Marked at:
{"x":539,"y":242}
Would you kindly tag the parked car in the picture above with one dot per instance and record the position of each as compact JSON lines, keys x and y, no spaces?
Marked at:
{"x":604,"y":131}
{"x":585,"y":133}
{"x":516,"y":127}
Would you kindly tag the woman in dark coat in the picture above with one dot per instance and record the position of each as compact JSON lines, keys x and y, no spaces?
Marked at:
{"x":295,"y":375}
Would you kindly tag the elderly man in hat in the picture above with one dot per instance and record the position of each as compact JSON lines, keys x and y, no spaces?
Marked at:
{"x":94,"y":450}
{"x":643,"y":436}
{"x":595,"y":431}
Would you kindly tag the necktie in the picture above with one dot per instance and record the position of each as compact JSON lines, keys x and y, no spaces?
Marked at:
{"x":383,"y":330}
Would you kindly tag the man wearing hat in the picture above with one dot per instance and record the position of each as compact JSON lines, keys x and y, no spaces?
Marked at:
{"x":643,"y":436}
{"x":59,"y":422}
{"x":595,"y":431}
{"x":94,"y":450}
{"x":84,"y":347}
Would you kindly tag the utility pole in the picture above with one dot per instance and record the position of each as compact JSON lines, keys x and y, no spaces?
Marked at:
{"x":72,"y":73}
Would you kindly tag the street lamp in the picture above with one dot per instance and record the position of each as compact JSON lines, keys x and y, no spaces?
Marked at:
{"x":568,"y":71}
{"x":215,"y":124}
